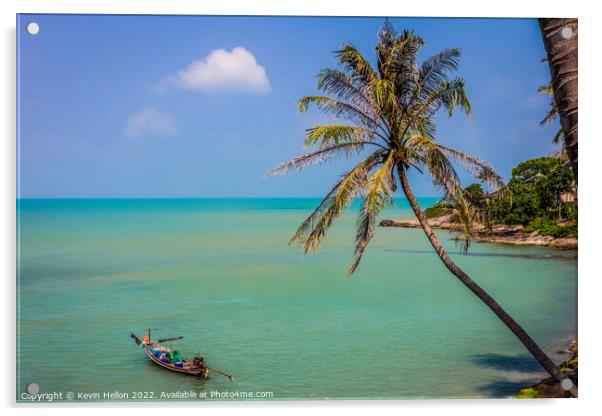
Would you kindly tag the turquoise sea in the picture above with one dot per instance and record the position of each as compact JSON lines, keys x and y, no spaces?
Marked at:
{"x":220,"y":273}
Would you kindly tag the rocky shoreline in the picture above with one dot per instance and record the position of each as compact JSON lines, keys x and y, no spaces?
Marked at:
{"x":500,"y":234}
{"x":549,"y":387}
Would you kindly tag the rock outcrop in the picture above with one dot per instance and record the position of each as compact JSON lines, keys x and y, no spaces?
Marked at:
{"x":502,"y":234}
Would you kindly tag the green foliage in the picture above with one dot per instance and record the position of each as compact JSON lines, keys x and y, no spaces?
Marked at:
{"x":523,"y":205}
{"x":531,"y":393}
{"x":533,"y":167}
{"x":440,"y":208}
{"x":531,"y":198}
{"x":534,"y":191}
{"x":473,"y":195}
{"x":545,"y":226}
{"x":435,"y":211}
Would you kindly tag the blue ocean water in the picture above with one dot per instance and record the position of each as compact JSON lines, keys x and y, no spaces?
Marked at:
{"x":220,"y":273}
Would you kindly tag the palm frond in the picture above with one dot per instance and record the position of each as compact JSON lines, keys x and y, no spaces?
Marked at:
{"x":453,"y":95}
{"x":339,"y":109}
{"x":379,"y":189}
{"x":327,"y":136}
{"x":385,"y":98}
{"x":345,"y":87}
{"x":353,"y":61}
{"x":425,"y":152}
{"x":314,"y":228}
{"x":426,"y":128}
{"x":449,"y":95}
{"x":546,"y":89}
{"x":369,"y":98}
{"x":558,"y":137}
{"x":387,"y":38}
{"x":435,"y":70}
{"x":338,"y":83}
{"x":387,"y":33}
{"x":475,"y":166}
{"x":403,"y":68}
{"x":551,"y":115}
{"x":317,"y":157}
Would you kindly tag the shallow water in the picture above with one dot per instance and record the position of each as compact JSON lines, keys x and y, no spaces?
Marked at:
{"x":220,"y":273}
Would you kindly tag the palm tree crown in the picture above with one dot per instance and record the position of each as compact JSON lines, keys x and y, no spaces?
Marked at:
{"x":389,"y":110}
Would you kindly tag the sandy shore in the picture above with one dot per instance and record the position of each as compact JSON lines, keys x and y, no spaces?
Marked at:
{"x":499,"y":234}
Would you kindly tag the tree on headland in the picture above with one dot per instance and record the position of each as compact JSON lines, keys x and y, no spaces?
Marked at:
{"x":560,"y":42}
{"x":537,"y":187}
{"x":390,"y":110}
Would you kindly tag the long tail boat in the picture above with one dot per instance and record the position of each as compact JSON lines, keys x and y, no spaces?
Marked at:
{"x":171,"y":360}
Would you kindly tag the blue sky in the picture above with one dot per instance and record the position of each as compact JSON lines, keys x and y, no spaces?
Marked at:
{"x":186,"y":106}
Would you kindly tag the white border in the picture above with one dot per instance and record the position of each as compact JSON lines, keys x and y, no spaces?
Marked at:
{"x":461,"y":8}
{"x":590,"y":277}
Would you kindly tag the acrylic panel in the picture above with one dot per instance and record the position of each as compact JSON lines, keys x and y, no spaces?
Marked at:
{"x":295,"y":208}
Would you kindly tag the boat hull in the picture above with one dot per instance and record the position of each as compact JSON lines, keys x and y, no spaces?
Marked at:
{"x":197,"y":372}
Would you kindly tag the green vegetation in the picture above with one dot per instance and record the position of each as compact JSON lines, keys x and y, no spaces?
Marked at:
{"x":545,"y":226}
{"x":437,"y":210}
{"x":532,"y":198}
{"x":473,"y":195}
{"x":535,"y":190}
{"x":533,"y":393}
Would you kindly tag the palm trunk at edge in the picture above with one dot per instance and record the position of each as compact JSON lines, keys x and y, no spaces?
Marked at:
{"x":520,"y":333}
{"x":562,"y":55}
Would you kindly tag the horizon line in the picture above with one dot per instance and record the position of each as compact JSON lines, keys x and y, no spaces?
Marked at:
{"x":198,"y":197}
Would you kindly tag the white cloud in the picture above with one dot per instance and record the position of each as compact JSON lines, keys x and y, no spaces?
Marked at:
{"x":150,"y":122}
{"x":221,"y":70}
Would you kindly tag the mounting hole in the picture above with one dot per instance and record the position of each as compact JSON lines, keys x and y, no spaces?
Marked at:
{"x":566,"y":384}
{"x":33,"y":28}
{"x":32,"y":388}
{"x":566,"y":32}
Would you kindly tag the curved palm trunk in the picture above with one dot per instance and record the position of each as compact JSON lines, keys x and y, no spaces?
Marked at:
{"x":562,"y":60}
{"x":520,"y":333}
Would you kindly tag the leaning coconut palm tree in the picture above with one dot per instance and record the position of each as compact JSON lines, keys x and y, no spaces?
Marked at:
{"x":390,"y":111}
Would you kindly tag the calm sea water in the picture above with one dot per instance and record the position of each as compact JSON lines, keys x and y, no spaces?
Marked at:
{"x":220,"y":273}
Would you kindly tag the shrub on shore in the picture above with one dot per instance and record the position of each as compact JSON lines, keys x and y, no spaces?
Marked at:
{"x":545,"y":226}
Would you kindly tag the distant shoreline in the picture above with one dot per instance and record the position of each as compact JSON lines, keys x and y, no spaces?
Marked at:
{"x":501,"y":234}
